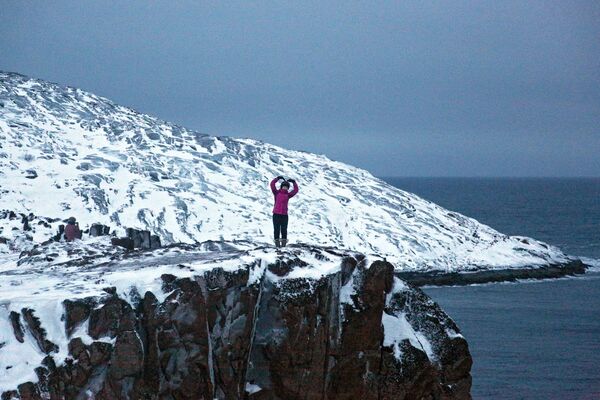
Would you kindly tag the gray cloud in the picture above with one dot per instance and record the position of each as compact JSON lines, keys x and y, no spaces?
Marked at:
{"x":400,"y":88}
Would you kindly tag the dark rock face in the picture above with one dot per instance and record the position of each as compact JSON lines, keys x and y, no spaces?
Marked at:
{"x":99,"y":230}
{"x":154,"y":242}
{"x":229,"y":335}
{"x":76,"y":312}
{"x":137,"y":239}
{"x":38,"y":332}
{"x":15,"y":321}
{"x":141,"y":238}
{"x":125,"y":242}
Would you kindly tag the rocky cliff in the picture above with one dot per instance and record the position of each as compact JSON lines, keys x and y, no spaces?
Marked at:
{"x":221,"y":321}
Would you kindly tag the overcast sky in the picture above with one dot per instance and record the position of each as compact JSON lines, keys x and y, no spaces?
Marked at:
{"x":486,"y":88}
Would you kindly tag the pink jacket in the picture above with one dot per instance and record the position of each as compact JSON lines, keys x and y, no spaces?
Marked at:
{"x":281,"y":197}
{"x":72,"y":232}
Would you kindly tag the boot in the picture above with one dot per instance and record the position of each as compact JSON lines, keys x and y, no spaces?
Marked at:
{"x":283,"y":242}
{"x":277,"y":243}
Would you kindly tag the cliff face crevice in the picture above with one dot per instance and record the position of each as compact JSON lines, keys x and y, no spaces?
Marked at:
{"x":357,"y":333}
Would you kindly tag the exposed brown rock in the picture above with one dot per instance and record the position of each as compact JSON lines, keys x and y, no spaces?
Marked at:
{"x":10,"y":395}
{"x":127,"y":357}
{"x":37,"y":331}
{"x":29,"y":391}
{"x":115,"y":315}
{"x":76,"y":312}
{"x":15,"y":321}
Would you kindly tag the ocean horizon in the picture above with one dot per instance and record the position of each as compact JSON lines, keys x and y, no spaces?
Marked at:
{"x":531,"y":339}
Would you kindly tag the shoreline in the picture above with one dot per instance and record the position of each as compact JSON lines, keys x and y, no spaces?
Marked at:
{"x":436,"y":278}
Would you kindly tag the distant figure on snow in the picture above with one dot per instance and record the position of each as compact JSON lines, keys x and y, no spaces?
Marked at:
{"x":72,"y":230}
{"x":280,"y":211}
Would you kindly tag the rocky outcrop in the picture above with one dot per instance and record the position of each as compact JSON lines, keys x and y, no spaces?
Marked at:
{"x":438,"y":278}
{"x":137,"y":239}
{"x":15,"y":321}
{"x":99,"y":230}
{"x":265,"y":330}
{"x":37,"y":331}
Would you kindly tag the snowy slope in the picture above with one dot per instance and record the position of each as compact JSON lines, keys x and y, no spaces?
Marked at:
{"x":67,"y":152}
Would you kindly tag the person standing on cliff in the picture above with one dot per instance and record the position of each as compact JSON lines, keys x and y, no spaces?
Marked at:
{"x":280,"y":210}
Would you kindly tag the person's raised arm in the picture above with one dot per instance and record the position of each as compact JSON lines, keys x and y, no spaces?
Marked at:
{"x":273,"y":182}
{"x":295,"y":189}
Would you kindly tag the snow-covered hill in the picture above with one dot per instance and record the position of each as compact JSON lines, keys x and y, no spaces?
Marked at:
{"x":67,"y":152}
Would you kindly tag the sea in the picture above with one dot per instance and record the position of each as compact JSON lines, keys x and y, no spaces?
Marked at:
{"x":530,"y":339}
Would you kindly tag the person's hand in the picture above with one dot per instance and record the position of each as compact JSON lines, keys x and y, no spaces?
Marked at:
{"x":280,"y":178}
{"x":292,"y":180}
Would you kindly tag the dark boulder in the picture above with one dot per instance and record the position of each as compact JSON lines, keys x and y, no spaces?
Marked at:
{"x":29,"y":391}
{"x":25,"y":222}
{"x":37,"y":331}
{"x":124,"y":242}
{"x":76,"y":312}
{"x":10,"y":395}
{"x":154,"y":242}
{"x":31,"y":174}
{"x":60,"y":233}
{"x":15,"y":321}
{"x":138,"y":239}
{"x":141,"y":238}
{"x":99,"y":230}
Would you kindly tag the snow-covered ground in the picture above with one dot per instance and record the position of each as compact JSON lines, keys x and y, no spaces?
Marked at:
{"x":67,"y":152}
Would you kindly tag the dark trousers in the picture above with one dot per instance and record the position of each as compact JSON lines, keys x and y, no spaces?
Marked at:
{"x":280,"y":223}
